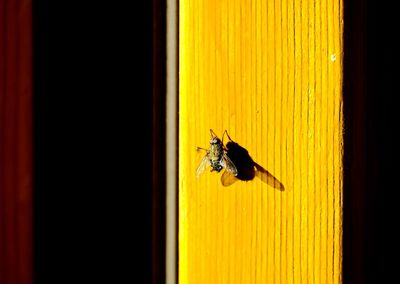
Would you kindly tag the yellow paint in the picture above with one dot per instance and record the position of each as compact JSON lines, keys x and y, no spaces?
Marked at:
{"x":270,"y":73}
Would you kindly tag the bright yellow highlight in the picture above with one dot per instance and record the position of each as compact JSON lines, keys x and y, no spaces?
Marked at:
{"x":270,"y":73}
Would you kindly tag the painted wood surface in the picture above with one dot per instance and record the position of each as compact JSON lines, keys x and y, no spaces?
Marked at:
{"x":270,"y":73}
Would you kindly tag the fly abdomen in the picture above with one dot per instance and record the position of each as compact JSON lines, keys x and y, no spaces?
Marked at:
{"x":216,"y":165}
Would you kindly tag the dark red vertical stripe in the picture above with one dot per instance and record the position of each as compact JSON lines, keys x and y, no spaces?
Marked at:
{"x":9,"y":137}
{"x":25,"y":240}
{"x":2,"y":91}
{"x":15,"y":142}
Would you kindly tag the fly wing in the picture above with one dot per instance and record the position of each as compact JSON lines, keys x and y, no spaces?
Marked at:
{"x":204,"y":163}
{"x":229,"y":165}
{"x":228,"y":179}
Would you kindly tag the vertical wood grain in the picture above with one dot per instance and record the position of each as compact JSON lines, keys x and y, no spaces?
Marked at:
{"x":270,"y":73}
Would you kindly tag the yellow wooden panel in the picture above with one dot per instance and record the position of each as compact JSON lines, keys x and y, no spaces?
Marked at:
{"x":270,"y":73}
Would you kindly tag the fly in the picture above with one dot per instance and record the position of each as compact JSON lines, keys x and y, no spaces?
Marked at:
{"x":216,"y":157}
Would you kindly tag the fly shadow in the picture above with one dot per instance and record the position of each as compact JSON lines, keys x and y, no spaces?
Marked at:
{"x":247,"y":168}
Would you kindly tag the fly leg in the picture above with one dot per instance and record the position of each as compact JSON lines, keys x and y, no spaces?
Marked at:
{"x":212,"y":133}
{"x":225,"y":132}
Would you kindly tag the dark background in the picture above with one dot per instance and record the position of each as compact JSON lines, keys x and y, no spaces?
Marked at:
{"x":94,"y":70}
{"x":370,"y":184}
{"x":92,"y":141}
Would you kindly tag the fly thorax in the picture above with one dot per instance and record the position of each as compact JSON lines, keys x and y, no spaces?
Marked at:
{"x":216,"y":152}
